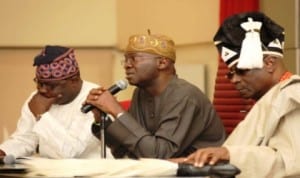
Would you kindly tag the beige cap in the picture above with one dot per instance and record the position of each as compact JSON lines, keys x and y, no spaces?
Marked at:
{"x":154,"y":44}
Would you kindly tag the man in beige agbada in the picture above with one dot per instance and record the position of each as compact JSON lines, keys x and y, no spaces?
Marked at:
{"x":267,"y":142}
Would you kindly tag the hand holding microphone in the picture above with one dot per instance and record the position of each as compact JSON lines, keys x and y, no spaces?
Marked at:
{"x":118,"y":86}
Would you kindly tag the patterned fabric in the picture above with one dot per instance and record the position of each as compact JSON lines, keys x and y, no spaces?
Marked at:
{"x":231,"y":35}
{"x":56,"y":64}
{"x":154,"y":44}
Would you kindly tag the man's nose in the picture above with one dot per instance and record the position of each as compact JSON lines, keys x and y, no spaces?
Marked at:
{"x":235,"y":78}
{"x":127,"y":63}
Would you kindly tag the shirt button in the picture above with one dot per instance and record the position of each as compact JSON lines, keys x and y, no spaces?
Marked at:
{"x":152,"y":115}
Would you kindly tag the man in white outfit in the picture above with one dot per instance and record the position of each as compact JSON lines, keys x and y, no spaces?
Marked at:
{"x":51,"y":122}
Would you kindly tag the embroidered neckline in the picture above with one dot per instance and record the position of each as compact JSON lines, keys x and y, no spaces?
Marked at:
{"x":285,"y":76}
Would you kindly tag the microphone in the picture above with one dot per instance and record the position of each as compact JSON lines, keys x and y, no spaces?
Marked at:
{"x":8,"y":159}
{"x":118,"y":86}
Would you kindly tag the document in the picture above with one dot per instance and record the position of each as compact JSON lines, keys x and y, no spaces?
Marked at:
{"x":99,"y":167}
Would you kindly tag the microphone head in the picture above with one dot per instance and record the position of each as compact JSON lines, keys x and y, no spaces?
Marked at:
{"x":9,"y":159}
{"x":122,"y":84}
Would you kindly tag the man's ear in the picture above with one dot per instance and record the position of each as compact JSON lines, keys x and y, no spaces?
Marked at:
{"x":163,"y":63}
{"x":75,"y":78}
{"x":270,"y":63}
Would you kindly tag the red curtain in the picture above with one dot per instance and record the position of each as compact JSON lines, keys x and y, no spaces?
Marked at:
{"x":230,"y":7}
{"x":231,"y":107}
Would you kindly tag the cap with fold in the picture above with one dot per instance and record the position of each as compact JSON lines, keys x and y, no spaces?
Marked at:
{"x":244,"y":38}
{"x":152,"y":43}
{"x":55,"y":63}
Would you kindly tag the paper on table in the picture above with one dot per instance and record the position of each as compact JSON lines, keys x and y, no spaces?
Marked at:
{"x":99,"y":167}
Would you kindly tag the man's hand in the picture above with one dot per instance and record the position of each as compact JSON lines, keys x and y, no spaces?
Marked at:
{"x":104,"y":101}
{"x":177,"y":160}
{"x":2,"y":153}
{"x":40,"y":104}
{"x":210,"y":155}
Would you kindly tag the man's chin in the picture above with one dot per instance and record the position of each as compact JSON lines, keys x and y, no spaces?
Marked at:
{"x":60,"y":102}
{"x":131,"y":81}
{"x":246,"y":95}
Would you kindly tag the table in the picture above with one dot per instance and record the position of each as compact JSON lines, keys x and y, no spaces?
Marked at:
{"x":92,"y":168}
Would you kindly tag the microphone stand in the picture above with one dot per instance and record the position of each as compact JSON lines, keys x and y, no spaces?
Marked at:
{"x":102,"y":133}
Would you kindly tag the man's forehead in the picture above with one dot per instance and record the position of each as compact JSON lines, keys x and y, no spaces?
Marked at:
{"x":49,"y":82}
{"x":139,"y":54}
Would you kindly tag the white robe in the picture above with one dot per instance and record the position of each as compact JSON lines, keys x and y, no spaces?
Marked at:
{"x":62,"y":132}
{"x":267,"y":142}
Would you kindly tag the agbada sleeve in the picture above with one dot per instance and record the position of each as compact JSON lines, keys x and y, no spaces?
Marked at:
{"x":280,"y":158}
{"x":164,"y":143}
{"x":279,"y":153}
{"x":180,"y":123}
{"x":23,"y":141}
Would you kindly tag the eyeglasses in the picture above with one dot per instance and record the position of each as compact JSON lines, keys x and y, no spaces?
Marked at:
{"x":236,"y":71}
{"x":134,"y":59}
